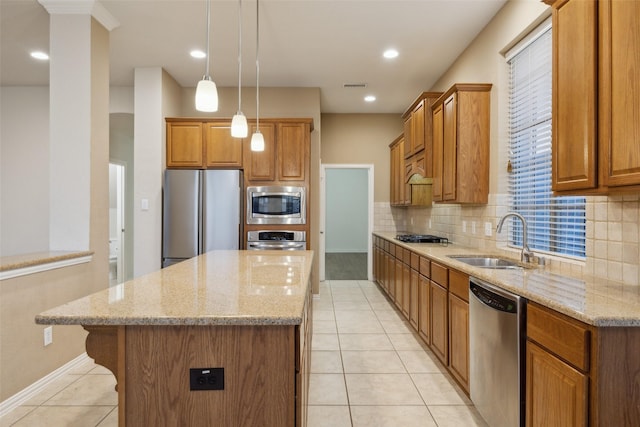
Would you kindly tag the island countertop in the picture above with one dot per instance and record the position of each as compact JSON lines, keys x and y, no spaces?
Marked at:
{"x":216,"y":288}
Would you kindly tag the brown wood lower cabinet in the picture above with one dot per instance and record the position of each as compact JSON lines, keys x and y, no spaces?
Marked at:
{"x":406,"y":290}
{"x":556,"y":392}
{"x":439,"y":322}
{"x":578,"y":374}
{"x":424,"y":318}
{"x":413,"y":306}
{"x":459,"y":340}
{"x":398,"y":284}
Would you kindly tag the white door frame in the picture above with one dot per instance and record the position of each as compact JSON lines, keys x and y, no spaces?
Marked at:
{"x":323,"y":211}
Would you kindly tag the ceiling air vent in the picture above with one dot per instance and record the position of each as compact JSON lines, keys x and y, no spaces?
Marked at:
{"x":354,"y":85}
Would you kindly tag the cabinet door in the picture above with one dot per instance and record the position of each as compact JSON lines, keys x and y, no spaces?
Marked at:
{"x":407,"y":136}
{"x":449,"y":150}
{"x":459,"y":340}
{"x":557,"y":394}
{"x":223,"y":150}
{"x":398,"y":294}
{"x":293,"y":151}
{"x":390,"y":275}
{"x":413,"y":306}
{"x":439,"y":323}
{"x":404,"y":195}
{"x":184,"y":145}
{"x":423,"y":308}
{"x":406,"y":290}
{"x":261,"y":165}
{"x":437,"y":153}
{"x":619,"y":92}
{"x":417,"y":128}
{"x":574,"y":99}
{"x":394,"y":190}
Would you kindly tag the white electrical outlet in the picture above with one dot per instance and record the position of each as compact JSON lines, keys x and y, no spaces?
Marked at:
{"x":411,"y":220}
{"x":48,"y":335}
{"x":488,"y":229}
{"x":473,"y":227}
{"x":429,"y":223}
{"x":464,"y":226}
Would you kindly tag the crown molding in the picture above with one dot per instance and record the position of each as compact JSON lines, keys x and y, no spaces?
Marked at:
{"x":81,"y":7}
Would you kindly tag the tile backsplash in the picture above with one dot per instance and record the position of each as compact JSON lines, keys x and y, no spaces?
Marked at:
{"x":612,"y":232}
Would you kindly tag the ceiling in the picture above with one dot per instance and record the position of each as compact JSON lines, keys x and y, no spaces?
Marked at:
{"x":303,"y":43}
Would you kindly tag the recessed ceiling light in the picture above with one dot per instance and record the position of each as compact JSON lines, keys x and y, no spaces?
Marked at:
{"x":390,"y":53}
{"x":369,"y":98}
{"x":39,"y":55}
{"x":198,"y":54}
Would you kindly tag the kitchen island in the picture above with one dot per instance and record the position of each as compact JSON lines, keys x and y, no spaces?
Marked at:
{"x":161,"y":334}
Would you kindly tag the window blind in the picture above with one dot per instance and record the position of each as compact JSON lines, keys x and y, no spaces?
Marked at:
{"x":555,"y":224}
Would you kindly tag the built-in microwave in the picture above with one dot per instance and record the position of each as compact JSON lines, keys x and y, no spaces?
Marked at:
{"x":276,"y":205}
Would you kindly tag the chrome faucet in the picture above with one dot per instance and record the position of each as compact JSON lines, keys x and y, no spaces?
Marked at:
{"x":526,"y":255}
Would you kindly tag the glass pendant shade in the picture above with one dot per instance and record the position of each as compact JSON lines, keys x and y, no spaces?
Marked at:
{"x":239,"y":128}
{"x":257,"y":141}
{"x":206,"y":95}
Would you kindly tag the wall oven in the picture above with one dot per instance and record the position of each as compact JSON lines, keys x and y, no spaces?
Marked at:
{"x":281,"y":240}
{"x":276,"y":205}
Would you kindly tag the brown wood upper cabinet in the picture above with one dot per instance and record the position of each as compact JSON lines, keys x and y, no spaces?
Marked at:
{"x":595,"y":117}
{"x":185,"y":147}
{"x":400,"y":191}
{"x":286,"y":155}
{"x":201,"y":144}
{"x":261,"y":165}
{"x":461,"y":118}
{"x":418,"y":134}
{"x":222,"y":150}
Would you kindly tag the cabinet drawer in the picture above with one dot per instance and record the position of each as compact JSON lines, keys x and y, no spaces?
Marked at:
{"x":415,"y":261}
{"x":406,"y":256}
{"x":425,"y":266}
{"x":566,"y":337}
{"x":459,"y":284}
{"x":439,"y":275}
{"x":392,"y":249}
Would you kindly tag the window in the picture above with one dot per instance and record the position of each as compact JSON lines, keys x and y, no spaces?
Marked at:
{"x":555,"y":224}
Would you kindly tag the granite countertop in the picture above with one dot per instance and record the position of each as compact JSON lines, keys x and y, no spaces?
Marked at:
{"x":217,"y":288}
{"x":596,"y":301}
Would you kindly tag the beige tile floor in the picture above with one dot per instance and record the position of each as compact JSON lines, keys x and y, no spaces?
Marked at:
{"x":367,"y":369}
{"x":84,"y":397}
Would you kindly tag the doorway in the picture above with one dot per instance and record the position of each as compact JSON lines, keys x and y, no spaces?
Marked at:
{"x":116,"y":223}
{"x":346,"y":222}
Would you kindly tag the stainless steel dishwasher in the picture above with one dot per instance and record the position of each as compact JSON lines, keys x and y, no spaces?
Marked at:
{"x":496,"y":347}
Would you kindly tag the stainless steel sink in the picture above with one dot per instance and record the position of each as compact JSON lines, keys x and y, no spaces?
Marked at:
{"x":482,"y":261}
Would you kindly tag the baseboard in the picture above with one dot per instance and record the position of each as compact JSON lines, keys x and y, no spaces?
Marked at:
{"x":24,"y":395}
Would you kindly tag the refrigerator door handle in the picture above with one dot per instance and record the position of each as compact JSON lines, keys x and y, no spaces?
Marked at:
{"x":202,"y":229}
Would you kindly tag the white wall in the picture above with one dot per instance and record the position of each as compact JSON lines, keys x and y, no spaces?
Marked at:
{"x":24,"y":170}
{"x":347,"y":210}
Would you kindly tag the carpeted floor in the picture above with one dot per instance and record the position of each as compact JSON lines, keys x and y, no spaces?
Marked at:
{"x":346,"y":266}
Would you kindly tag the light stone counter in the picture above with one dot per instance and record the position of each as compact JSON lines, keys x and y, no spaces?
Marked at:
{"x":599,"y":302}
{"x":217,"y":288}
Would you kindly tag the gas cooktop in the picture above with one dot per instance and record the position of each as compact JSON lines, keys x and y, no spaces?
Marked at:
{"x":421,"y":238}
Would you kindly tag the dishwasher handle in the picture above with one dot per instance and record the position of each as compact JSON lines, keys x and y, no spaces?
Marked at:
{"x":492,"y":299}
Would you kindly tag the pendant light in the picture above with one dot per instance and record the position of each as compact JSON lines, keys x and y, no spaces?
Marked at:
{"x":257,"y":140}
{"x":206,"y":91}
{"x":239,"y":128}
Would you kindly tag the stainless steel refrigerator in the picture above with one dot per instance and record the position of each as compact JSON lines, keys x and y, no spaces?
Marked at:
{"x":201,"y":212}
